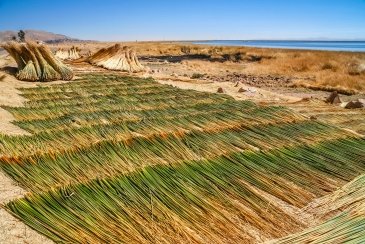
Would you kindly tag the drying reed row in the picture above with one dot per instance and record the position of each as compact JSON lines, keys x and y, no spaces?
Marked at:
{"x":197,"y":198}
{"x":118,"y":115}
{"x":90,"y":81}
{"x":66,"y":98}
{"x":121,"y":159}
{"x":111,"y":102}
{"x":109,"y":157}
{"x":73,"y":138}
{"x":36,"y":62}
{"x":111,"y":97}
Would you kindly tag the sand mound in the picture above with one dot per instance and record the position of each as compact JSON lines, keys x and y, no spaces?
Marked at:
{"x":116,"y":58}
{"x":71,"y":54}
{"x":36,"y":62}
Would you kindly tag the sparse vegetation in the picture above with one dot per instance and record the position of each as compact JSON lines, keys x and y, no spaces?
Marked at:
{"x":197,"y":76}
{"x":355,"y":68}
{"x":186,"y":49}
{"x":329,"y":66}
{"x":235,"y":57}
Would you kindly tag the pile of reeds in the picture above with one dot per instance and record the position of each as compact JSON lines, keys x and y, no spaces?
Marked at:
{"x":198,"y":196}
{"x":70,"y":54}
{"x":36,"y":62}
{"x":117,"y":58}
{"x":123,"y":159}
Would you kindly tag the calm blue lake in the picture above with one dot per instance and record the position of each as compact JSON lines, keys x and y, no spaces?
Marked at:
{"x":352,"y":46}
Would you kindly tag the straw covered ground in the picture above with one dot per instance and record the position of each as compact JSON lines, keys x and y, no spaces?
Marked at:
{"x":110,"y":158}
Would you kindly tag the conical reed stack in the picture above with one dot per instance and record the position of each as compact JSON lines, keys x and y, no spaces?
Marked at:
{"x":36,"y":62}
{"x":116,"y":58}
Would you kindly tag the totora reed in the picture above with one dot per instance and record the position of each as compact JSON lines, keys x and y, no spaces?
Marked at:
{"x":117,"y":58}
{"x":36,"y":62}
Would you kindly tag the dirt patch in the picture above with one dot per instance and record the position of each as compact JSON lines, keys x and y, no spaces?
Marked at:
{"x":10,"y":96}
{"x":251,"y":93}
{"x":14,"y":231}
{"x":257,"y":80}
{"x":11,"y":229}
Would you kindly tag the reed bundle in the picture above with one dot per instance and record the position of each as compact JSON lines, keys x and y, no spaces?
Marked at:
{"x":37,"y":63}
{"x":346,"y":227}
{"x":117,"y":58}
{"x":70,"y":54}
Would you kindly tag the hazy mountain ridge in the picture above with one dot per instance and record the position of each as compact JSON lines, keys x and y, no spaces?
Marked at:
{"x":36,"y":35}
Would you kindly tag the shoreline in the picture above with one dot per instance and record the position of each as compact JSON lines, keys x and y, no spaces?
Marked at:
{"x":275,"y":44}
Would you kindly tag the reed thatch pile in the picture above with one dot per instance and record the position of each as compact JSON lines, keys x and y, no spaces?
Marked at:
{"x":71,"y":54}
{"x":117,"y":58}
{"x":36,"y":62}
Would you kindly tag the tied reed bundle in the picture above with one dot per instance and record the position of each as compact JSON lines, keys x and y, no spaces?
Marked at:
{"x":36,"y":62}
{"x":71,"y":54}
{"x":117,"y":58}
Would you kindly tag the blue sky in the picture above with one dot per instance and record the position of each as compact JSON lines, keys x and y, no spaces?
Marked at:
{"x":188,"y":19}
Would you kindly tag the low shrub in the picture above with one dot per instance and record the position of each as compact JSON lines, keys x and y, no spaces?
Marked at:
{"x":197,"y":76}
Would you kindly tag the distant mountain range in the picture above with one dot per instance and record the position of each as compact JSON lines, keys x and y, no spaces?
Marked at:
{"x":36,"y":35}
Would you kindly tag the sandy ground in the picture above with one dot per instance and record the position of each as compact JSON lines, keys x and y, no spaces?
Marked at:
{"x":11,"y":229}
{"x":9,"y":96}
{"x":229,"y":88}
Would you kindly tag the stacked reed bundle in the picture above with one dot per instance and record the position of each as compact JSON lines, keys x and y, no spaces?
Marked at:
{"x":36,"y":62}
{"x":117,"y":58}
{"x":71,"y":54}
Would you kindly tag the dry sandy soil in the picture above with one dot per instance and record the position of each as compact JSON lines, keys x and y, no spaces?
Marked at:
{"x":259,"y":81}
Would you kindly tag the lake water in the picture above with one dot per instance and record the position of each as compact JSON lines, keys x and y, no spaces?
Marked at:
{"x":352,"y":46}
